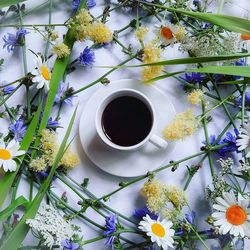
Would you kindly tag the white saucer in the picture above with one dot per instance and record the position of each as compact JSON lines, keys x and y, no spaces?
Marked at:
{"x":121,"y":163}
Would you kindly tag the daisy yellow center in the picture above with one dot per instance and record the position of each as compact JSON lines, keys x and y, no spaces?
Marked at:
{"x":45,"y":72}
{"x":166,"y":32}
{"x":245,"y":37}
{"x":158,"y":230}
{"x":236,"y":215}
{"x":5,"y":154}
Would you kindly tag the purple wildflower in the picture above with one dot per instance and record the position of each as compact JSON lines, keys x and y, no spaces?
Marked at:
{"x":69,"y":245}
{"x":18,"y":129}
{"x":87,"y":57}
{"x":90,"y":4}
{"x":110,"y":229}
{"x":13,"y":40}
{"x":62,"y":92}
{"x":247,"y":100}
{"x":44,"y":175}
{"x":190,"y":217}
{"x":53,"y":123}
{"x":139,"y":213}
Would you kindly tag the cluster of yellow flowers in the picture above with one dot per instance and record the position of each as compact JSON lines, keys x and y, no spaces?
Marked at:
{"x":159,"y":195}
{"x":49,"y":148}
{"x":141,"y":33}
{"x":195,"y":97}
{"x":61,"y":50}
{"x":83,"y":27}
{"x":184,"y":124}
{"x":151,"y":54}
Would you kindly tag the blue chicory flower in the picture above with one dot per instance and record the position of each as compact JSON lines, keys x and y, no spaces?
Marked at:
{"x":69,"y":245}
{"x":110,"y":228}
{"x":193,"y":77}
{"x":87,"y":57}
{"x":18,"y":129}
{"x":179,"y":231}
{"x":53,"y":123}
{"x":62,"y":89}
{"x":13,"y":40}
{"x":90,"y":4}
{"x":238,"y":101}
{"x":139,"y":213}
{"x":8,"y":89}
{"x":190,"y":217}
{"x":44,"y":175}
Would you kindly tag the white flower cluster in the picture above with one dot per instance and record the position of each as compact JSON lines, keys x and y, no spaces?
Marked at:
{"x":244,"y":167}
{"x":51,"y":226}
{"x":219,"y":185}
{"x":225,"y":164}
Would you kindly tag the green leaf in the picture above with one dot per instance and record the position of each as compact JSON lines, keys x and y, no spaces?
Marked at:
{"x":9,"y":177}
{"x":18,"y":234}
{"x":20,"y":201}
{"x":230,"y":23}
{"x":6,"y":3}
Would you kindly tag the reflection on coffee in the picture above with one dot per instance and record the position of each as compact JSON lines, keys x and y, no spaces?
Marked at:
{"x":126,"y":121}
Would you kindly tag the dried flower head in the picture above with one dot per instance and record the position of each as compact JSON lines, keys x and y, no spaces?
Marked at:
{"x":100,"y":33}
{"x":141,"y":33}
{"x":195,"y":97}
{"x":61,"y":50}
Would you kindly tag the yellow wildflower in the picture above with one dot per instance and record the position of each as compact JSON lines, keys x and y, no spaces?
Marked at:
{"x":195,"y":97}
{"x":83,"y":32}
{"x":54,"y":35}
{"x":149,"y":72}
{"x":171,"y":214}
{"x":83,"y":17}
{"x":100,"y":33}
{"x":61,"y":50}
{"x":179,"y":33}
{"x":176,"y":196}
{"x":151,"y":52}
{"x":184,"y":124}
{"x":69,"y":159}
{"x":48,"y":140}
{"x":141,"y":33}
{"x":154,"y":191}
{"x":38,"y":164}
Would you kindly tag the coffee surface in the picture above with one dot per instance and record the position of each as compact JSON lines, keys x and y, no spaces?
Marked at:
{"x":126,"y":121}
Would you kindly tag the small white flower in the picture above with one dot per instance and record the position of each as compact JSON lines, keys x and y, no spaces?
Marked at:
{"x":232,"y":215}
{"x":8,"y":153}
{"x":42,"y":74}
{"x":159,"y":231}
{"x":165,"y":32}
{"x":244,"y":167}
{"x":244,"y":140}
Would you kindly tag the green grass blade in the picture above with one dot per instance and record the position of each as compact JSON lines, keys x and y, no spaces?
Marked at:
{"x":188,"y":60}
{"x":9,"y":177}
{"x":6,"y":3}
{"x":19,"y":233}
{"x":230,"y":23}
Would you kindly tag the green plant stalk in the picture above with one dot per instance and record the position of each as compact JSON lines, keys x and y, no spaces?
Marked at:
{"x":204,"y":121}
{"x":18,"y":234}
{"x":47,"y":43}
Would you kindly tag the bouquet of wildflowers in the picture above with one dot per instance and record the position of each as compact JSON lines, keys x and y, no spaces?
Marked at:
{"x":214,"y":74}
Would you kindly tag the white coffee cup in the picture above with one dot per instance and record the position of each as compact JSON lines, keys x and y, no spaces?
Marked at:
{"x":151,"y":137}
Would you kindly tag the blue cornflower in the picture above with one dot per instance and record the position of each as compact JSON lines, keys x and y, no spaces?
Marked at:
{"x":110,"y":228}
{"x":13,"y":40}
{"x":87,"y":57}
{"x":247,"y":100}
{"x":193,"y":77}
{"x":52,"y":123}
{"x":179,"y":231}
{"x":63,"y":88}
{"x":18,"y":129}
{"x":8,"y":89}
{"x":69,"y":245}
{"x":139,"y":213}
{"x":195,"y":2}
{"x":90,"y":4}
{"x":190,"y":217}
{"x":207,"y":25}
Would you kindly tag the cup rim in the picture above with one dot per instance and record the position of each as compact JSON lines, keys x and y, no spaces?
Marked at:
{"x":98,"y":120}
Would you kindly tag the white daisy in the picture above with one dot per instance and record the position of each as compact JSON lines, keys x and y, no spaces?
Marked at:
{"x":42,"y":74}
{"x":244,"y":139}
{"x":7,"y":153}
{"x":159,"y":231}
{"x":165,"y":32}
{"x":232,"y":215}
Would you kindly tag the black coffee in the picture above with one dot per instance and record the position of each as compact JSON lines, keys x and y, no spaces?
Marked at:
{"x":126,"y":121}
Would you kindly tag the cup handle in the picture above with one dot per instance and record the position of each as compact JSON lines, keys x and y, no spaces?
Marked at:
{"x":158,"y":141}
